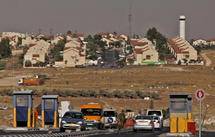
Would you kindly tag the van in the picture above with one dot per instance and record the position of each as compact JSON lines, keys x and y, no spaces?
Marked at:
{"x":157,"y":113}
{"x":93,"y":113}
{"x":109,"y":118}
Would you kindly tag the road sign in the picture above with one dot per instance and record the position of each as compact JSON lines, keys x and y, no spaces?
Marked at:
{"x":110,"y":120}
{"x":200,"y":94}
{"x":207,"y":105}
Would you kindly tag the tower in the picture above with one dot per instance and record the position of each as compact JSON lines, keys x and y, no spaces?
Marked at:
{"x":182,"y":26}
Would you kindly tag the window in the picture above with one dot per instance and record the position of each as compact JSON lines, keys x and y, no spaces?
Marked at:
{"x":22,"y":100}
{"x":109,"y":114}
{"x":74,"y":115}
{"x":158,"y":113}
{"x":148,"y":57}
{"x":91,"y":112}
{"x":49,"y":103}
{"x":144,"y":117}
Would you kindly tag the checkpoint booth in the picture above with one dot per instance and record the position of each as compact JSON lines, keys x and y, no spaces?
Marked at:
{"x":178,"y":112}
{"x":50,"y":110}
{"x":22,"y":108}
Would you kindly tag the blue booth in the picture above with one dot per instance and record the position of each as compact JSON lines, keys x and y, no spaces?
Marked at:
{"x":50,"y":110}
{"x":22,"y":108}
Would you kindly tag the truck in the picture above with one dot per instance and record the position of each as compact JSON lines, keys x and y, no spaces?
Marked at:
{"x":42,"y":77}
{"x":30,"y":81}
{"x":93,"y":113}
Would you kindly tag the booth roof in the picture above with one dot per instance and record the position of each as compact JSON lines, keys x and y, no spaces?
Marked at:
{"x":49,"y":96}
{"x":26,"y":92}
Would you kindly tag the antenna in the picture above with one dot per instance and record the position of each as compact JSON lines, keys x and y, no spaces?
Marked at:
{"x":130,"y":19}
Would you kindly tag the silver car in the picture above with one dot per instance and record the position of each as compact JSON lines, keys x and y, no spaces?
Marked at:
{"x":157,"y":123}
{"x":143,"y":122}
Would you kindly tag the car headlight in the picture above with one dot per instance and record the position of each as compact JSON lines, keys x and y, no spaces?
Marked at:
{"x":63,"y":122}
{"x":79,"y":123}
{"x":96,"y":121}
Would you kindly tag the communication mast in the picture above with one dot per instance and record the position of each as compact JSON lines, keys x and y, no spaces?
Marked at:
{"x":130,"y":19}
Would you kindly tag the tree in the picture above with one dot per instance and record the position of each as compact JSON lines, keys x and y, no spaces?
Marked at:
{"x":151,"y":105}
{"x":115,"y":33}
{"x":97,"y":37}
{"x":46,"y":58}
{"x":108,"y":35}
{"x":89,"y":38}
{"x":69,"y":32}
{"x":151,"y":34}
{"x":19,"y":41}
{"x":5,"y":48}
{"x":28,"y":63}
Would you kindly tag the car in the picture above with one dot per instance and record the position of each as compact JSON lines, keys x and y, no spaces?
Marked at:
{"x":101,"y":62}
{"x":109,"y":118}
{"x":158,"y":63}
{"x":157,"y":122}
{"x":72,"y":120}
{"x":99,"y":52}
{"x":143,"y":122}
{"x":57,"y":66}
{"x":156,"y":112}
{"x":99,"y":58}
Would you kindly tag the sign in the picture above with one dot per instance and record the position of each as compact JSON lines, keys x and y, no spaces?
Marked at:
{"x":200,"y":94}
{"x":207,"y":105}
{"x":110,"y":120}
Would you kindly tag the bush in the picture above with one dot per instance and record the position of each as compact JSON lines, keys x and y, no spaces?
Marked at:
{"x":92,"y":92}
{"x":165,"y":113}
{"x":142,"y":94}
{"x":46,"y":92}
{"x":71,"y":93}
{"x":36,"y":93}
{"x":127,"y":93}
{"x":154,"y":95}
{"x":109,"y":94}
{"x":133,"y":95}
{"x":116,"y":93}
{"x":85,"y":93}
{"x":148,"y":94}
{"x":1,"y":93}
{"x":120,"y":95}
{"x":39,"y":109}
{"x":138,"y":92}
{"x":81,"y":92}
{"x":10,"y":92}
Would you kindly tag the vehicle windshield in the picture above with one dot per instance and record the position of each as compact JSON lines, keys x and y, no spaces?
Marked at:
{"x":91,"y":112}
{"x":144,"y":117}
{"x":158,"y":113}
{"x":73,"y":115}
{"x":109,"y":114}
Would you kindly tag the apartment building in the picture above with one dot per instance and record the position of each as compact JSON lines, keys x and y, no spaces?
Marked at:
{"x":199,"y":42}
{"x":74,"y":53}
{"x":37,"y":52}
{"x":30,"y":39}
{"x":181,"y":49}
{"x":144,"y":52}
{"x":211,"y":41}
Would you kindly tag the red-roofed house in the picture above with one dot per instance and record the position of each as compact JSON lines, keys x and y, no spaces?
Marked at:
{"x":211,"y":41}
{"x":181,"y":49}
{"x":199,"y":42}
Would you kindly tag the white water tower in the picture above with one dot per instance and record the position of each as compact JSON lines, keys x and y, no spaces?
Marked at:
{"x":182,"y":26}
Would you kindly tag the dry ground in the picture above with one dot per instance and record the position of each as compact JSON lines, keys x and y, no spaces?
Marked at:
{"x":164,"y":80}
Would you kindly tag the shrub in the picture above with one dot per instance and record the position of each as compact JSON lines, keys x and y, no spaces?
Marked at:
{"x":36,"y":93}
{"x":142,"y":94}
{"x":96,"y":95}
{"x":1,"y":93}
{"x":109,"y":94}
{"x":101,"y":91}
{"x":148,"y":94}
{"x":71,"y":93}
{"x":154,"y":95}
{"x":81,"y":92}
{"x":138,"y":92}
{"x":116,"y":93}
{"x":92,"y":92}
{"x":133,"y":95}
{"x":85,"y":93}
{"x":46,"y":92}
{"x":120,"y":95}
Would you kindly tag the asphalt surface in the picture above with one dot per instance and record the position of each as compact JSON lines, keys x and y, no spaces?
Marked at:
{"x":135,"y":134}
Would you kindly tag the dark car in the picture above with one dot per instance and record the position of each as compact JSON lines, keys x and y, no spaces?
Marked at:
{"x":72,"y":120}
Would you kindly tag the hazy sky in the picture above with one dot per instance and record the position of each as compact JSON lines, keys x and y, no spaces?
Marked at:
{"x":92,"y":16}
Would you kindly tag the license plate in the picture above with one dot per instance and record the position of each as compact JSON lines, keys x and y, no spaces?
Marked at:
{"x":71,"y":125}
{"x":143,"y":122}
{"x":89,"y":123}
{"x":106,"y":124}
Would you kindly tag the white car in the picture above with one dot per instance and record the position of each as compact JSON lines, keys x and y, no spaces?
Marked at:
{"x":143,"y":122}
{"x":158,"y":63}
{"x":157,"y":123}
{"x":157,"y":113}
{"x":99,"y":58}
{"x":57,"y":66}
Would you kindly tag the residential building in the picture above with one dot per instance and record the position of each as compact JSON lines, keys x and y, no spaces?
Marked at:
{"x":74,"y":53}
{"x":111,"y":34}
{"x":211,"y":41}
{"x":181,"y":49}
{"x":144,"y":52}
{"x":37,"y":52}
{"x":80,"y":36}
{"x":30,"y":39}
{"x":199,"y":42}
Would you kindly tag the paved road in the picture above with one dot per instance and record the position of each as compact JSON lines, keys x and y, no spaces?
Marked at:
{"x":135,"y":134}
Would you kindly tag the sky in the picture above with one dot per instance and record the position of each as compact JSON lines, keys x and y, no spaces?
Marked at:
{"x":93,"y":16}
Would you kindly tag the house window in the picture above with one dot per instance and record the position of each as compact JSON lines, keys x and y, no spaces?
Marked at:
{"x":148,"y":57}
